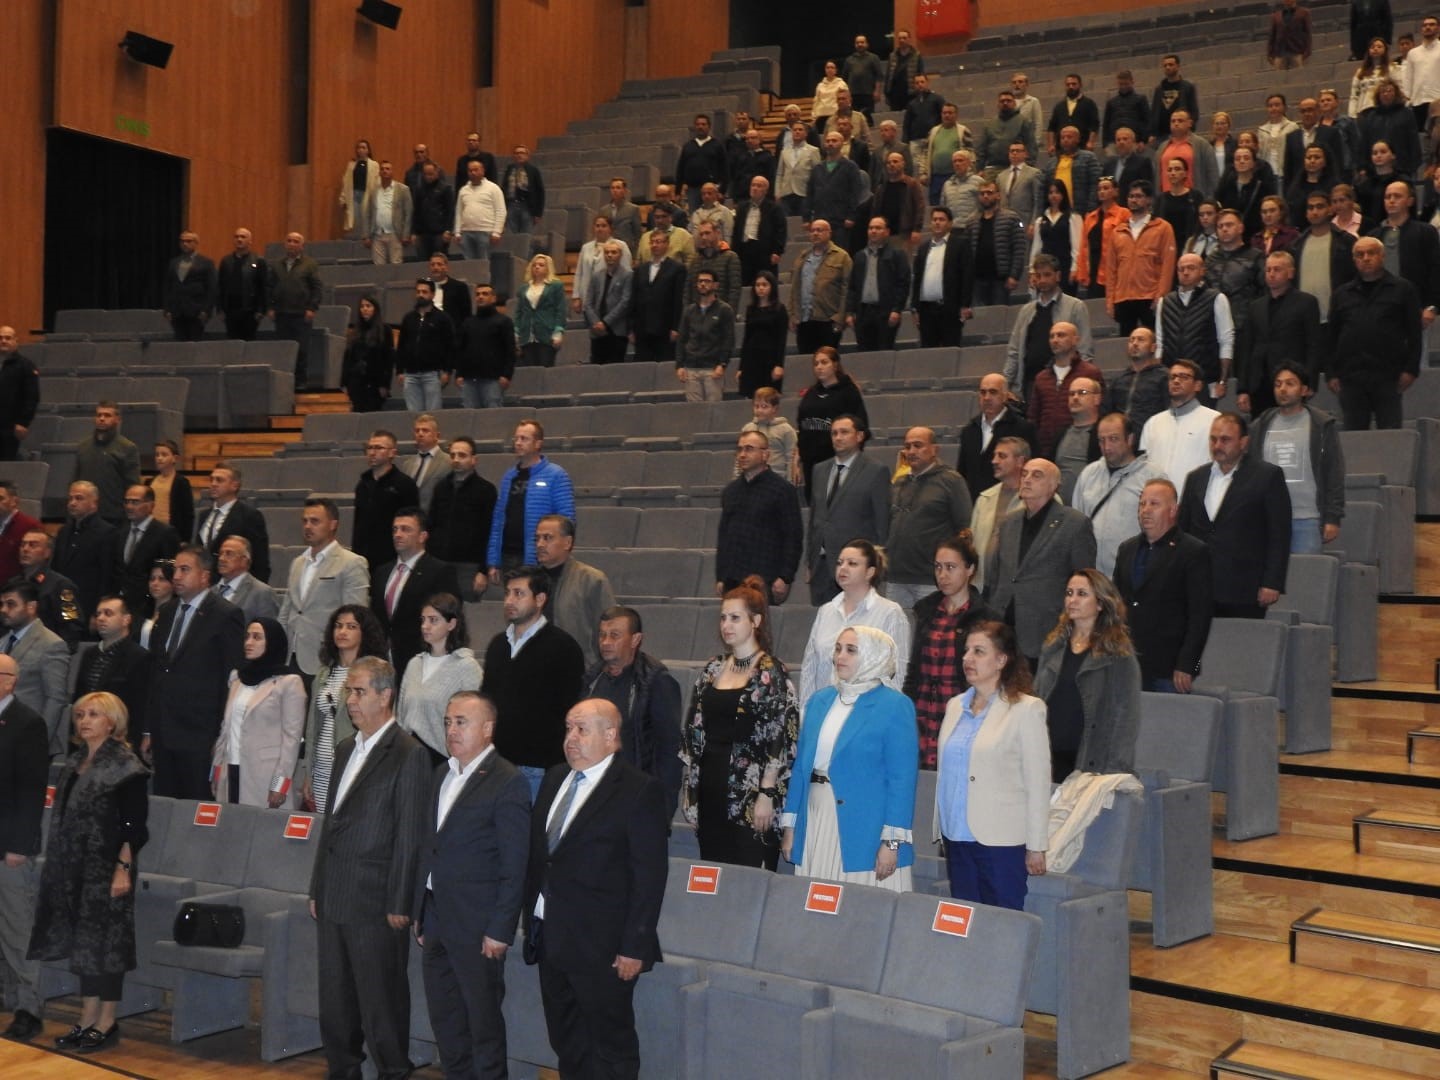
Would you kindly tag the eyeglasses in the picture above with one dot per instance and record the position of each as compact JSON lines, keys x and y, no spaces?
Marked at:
{"x":1083,"y":393}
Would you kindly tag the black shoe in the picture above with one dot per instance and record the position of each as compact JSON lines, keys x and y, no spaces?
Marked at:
{"x":24,"y":1027}
{"x":70,"y":1039}
{"x":93,"y":1039}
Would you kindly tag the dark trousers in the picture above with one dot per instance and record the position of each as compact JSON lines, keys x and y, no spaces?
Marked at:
{"x":872,"y":328}
{"x":655,"y":348}
{"x":608,"y":349}
{"x":364,"y":997}
{"x":754,"y":257}
{"x":591,"y":1022}
{"x":1132,"y":313}
{"x":181,"y":773}
{"x":9,"y":445}
{"x":537,"y":354}
{"x":187,"y":327}
{"x":1360,"y":399}
{"x":104,"y":987}
{"x":936,"y":327}
{"x":1238,"y":611}
{"x":240,"y":325}
{"x":991,"y":292}
{"x":427,"y":244}
{"x":293,"y":326}
{"x":987,"y":875}
{"x":810,"y":336}
{"x":464,"y":990}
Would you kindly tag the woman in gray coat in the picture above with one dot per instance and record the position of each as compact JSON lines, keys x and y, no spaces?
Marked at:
{"x":1090,"y":681}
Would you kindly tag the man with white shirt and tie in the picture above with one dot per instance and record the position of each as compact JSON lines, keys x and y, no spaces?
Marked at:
{"x":196,"y":645}
{"x":229,"y":515}
{"x":252,"y":596}
{"x":469,"y":888}
{"x":362,"y":887}
{"x":323,"y":577}
{"x":430,"y":462}
{"x":593,"y":893}
{"x":400,"y":588}
{"x":940,"y":282}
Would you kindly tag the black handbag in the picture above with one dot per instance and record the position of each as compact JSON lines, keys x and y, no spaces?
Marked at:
{"x":220,"y":926}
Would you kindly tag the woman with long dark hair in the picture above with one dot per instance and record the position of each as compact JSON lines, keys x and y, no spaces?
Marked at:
{"x":767,"y":329}
{"x":369,"y":358}
{"x":833,"y":394}
{"x":352,"y":632}
{"x":1057,"y":232}
{"x":432,"y":677}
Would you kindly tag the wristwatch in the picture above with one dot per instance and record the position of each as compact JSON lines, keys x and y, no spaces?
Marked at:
{"x":893,"y":845}
{"x":770,"y":793}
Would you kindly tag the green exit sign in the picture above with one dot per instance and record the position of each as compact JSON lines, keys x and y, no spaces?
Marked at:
{"x":132,"y":126}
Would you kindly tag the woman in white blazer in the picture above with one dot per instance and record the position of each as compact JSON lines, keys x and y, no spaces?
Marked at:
{"x":992,"y":795}
{"x":264,"y":723}
{"x":432,"y":677}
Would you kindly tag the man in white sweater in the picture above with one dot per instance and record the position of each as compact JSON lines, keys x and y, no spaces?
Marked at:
{"x":479,"y":214}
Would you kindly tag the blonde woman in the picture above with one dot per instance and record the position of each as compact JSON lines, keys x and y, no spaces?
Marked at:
{"x":540,"y":314}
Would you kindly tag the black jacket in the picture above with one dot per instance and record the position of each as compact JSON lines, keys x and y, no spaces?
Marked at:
{"x":1170,"y":612}
{"x":455,"y":300}
{"x":125,"y":673}
{"x":24,"y":770}
{"x":427,"y":577}
{"x":974,"y":464}
{"x":243,"y":280}
{"x":957,"y":287}
{"x":376,"y":503}
{"x":1375,"y":330}
{"x":1419,"y":258}
{"x":699,"y":164}
{"x":485,"y":346}
{"x":770,"y":238}
{"x":132,"y":577}
{"x":892,"y":279}
{"x":434,"y":208}
{"x":656,"y":306}
{"x":195,"y":296}
{"x":1286,"y":330}
{"x":427,"y":342}
{"x":460,"y":519}
{"x":188,"y":690}
{"x":20,"y":392}
{"x":247,"y":521}
{"x":82,"y":553}
{"x":1342,"y":256}
{"x":1250,"y":534}
{"x":533,"y":196}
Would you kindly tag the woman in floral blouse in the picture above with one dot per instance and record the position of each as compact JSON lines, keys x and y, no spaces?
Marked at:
{"x":740,"y":742}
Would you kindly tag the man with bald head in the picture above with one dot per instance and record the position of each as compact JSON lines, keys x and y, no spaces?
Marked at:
{"x":1194,"y":322}
{"x":1283,"y":328}
{"x":189,"y":292}
{"x":293,"y":293}
{"x":19,"y":394}
{"x":819,"y":291}
{"x":998,"y":418}
{"x":1048,"y":405}
{"x":1412,"y":247}
{"x":24,"y":767}
{"x":1376,"y":337}
{"x":930,"y":503}
{"x":597,"y":874}
{"x":83,"y":549}
{"x":1142,"y":389}
{"x":1079,"y":442}
{"x":1035,"y":554}
{"x":242,"y":279}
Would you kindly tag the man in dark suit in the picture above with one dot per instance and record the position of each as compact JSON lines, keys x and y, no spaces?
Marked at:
{"x":24,"y":768}
{"x":60,"y":608}
{"x":761,"y":251}
{"x":1240,"y":508}
{"x":852,"y":501}
{"x":1130,"y":162}
{"x":190,"y":290}
{"x":593,"y":892}
{"x":452,"y":296}
{"x":242,"y":278}
{"x":134,"y":548}
{"x":229,"y":515}
{"x":119,"y":665}
{"x":658,"y":291}
{"x":1165,"y":577}
{"x":1311,"y":133}
{"x":1417,"y":244}
{"x":881,"y":292}
{"x":362,"y":887}
{"x":384,"y":489}
{"x":995,"y":421}
{"x":1036,"y":552}
{"x":196,"y":645}
{"x":83,"y":546}
{"x":1283,"y":327}
{"x":470,"y":884}
{"x":941,"y":282}
{"x":400,"y":588}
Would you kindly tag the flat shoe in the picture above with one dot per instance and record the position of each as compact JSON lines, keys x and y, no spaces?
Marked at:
{"x":70,"y":1039}
{"x":93,"y":1039}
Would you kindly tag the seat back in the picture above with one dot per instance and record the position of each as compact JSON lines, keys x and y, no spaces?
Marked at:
{"x":282,"y":849}
{"x":1310,"y":589}
{"x":1110,"y":842}
{"x":1178,"y":735}
{"x":158,"y":825}
{"x":985,"y":973}
{"x":209,"y":841}
{"x":844,"y":948}
{"x":713,"y":912}
{"x":1244,"y":654}
{"x":1392,"y":455}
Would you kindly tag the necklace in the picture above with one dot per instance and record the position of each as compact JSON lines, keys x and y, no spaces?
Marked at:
{"x":742,"y":663}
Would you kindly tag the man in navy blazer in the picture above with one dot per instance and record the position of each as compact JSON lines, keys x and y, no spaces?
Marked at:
{"x":880,"y":293}
{"x":1248,"y":531}
{"x":596,"y":879}
{"x":469,"y":888}
{"x":657,"y":301}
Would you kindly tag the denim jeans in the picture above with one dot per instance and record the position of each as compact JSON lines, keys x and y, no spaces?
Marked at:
{"x":475,"y":245}
{"x":482,"y":393}
{"x":518,"y":218}
{"x":1306,"y":536}
{"x":422,"y":391}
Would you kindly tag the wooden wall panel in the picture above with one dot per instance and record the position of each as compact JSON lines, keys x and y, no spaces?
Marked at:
{"x":682,"y":36}
{"x":220,"y":103}
{"x":25,"y":89}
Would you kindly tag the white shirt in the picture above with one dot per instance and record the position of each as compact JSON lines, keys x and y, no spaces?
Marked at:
{"x":817,"y":671}
{"x":1137,"y":225}
{"x":830,"y":729}
{"x":363,"y":746}
{"x":516,"y":644}
{"x":1178,"y":442}
{"x":230,"y":586}
{"x":932,"y":285}
{"x":480,"y":208}
{"x":1224,"y":323}
{"x":593,"y":775}
{"x":384,"y":210}
{"x":450,"y":788}
{"x":1422,"y":73}
{"x":1217,"y":488}
{"x":238,"y":704}
{"x":313,"y":559}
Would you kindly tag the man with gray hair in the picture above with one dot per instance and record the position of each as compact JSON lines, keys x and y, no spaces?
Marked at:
{"x":254,"y":598}
{"x":961,"y":193}
{"x":578,"y":592}
{"x":607,"y":306}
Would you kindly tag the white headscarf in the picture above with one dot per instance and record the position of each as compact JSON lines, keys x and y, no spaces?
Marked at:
{"x":877,"y":662}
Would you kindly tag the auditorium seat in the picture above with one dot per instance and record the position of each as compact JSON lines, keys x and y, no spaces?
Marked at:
{"x":1380,"y":466}
{"x":1244,"y":666}
{"x":1307,"y":608}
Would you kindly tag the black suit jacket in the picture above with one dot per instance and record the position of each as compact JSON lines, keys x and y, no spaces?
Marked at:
{"x":127,"y":677}
{"x":1327,"y":138}
{"x":1250,"y":536}
{"x":475,"y":862}
{"x":426,"y":578}
{"x":605,"y":880}
{"x":457,"y":301}
{"x":1138,"y":166}
{"x":370,"y":844}
{"x":957,"y":283}
{"x":770,"y":237}
{"x":974,"y":464}
{"x":657,"y":305}
{"x":195,"y":296}
{"x":243,"y":520}
{"x":24,"y":770}
{"x":82,"y":553}
{"x":132,"y":577}
{"x":1287,"y":330}
{"x":1170,"y":612}
{"x":1419,"y":258}
{"x":188,"y":690}
{"x":892,"y":279}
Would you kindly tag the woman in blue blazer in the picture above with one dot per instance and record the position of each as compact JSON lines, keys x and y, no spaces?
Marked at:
{"x":852,"y":792}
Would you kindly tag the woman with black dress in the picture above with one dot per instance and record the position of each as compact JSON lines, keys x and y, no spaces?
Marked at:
{"x":1242,"y":188}
{"x":1057,"y":232}
{"x":369,"y":360}
{"x":1090,"y":681}
{"x":767,"y":329}
{"x":739,"y":744}
{"x":85,"y":910}
{"x":833,"y":394}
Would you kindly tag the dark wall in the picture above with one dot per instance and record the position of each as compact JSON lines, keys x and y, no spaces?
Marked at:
{"x":809,"y":34}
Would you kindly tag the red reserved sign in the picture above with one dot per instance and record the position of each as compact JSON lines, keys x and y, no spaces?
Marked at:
{"x":49,"y":796}
{"x":207,"y":813}
{"x":952,"y":918}
{"x":704,"y":880}
{"x":298,"y":826}
{"x":824,"y":898}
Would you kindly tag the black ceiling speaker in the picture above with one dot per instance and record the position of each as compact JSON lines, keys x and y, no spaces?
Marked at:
{"x":147,"y":50}
{"x":380,"y":12}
